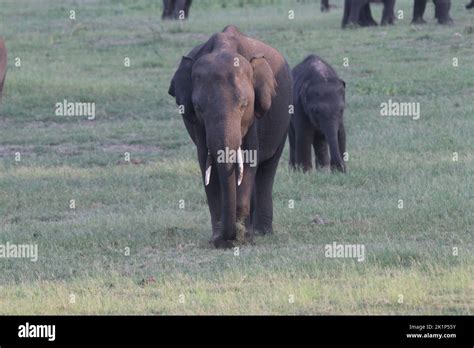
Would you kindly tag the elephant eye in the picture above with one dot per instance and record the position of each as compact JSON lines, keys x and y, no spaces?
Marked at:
{"x":244,"y":104}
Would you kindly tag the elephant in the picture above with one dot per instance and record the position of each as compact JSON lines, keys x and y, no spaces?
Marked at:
{"x":357,"y":12}
{"x":325,"y":5}
{"x":319,"y":102}
{"x":176,"y":9}
{"x":470,"y":5}
{"x":235,"y":93}
{"x":3,"y":65}
{"x":442,"y":8}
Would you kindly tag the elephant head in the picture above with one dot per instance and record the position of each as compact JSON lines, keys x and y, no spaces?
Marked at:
{"x":222,"y":93}
{"x":324,"y":103}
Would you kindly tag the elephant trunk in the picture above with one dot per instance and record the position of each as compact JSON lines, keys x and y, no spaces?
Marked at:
{"x":227,"y":180}
{"x":225,"y":157}
{"x":331,"y":134}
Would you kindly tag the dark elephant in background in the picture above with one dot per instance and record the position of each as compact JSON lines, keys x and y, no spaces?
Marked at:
{"x":176,"y":9}
{"x":442,"y":8}
{"x":325,"y":5}
{"x":3,"y":65}
{"x":236,"y":92}
{"x":470,"y":5}
{"x":357,"y":12}
{"x":319,"y":102}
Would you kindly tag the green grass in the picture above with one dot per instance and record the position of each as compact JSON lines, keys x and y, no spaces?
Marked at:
{"x":119,"y":206}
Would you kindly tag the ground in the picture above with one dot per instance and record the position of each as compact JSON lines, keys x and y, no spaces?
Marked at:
{"x":137,"y":240}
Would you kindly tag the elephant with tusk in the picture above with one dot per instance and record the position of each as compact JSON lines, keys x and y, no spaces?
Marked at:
{"x":235,"y":93}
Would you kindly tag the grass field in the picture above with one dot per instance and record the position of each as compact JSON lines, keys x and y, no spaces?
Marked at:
{"x":411,"y":265}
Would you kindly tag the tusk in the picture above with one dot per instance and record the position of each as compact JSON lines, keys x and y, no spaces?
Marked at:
{"x":208,"y":168}
{"x":240,"y":164}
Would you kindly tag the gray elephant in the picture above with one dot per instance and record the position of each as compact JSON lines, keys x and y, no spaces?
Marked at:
{"x":235,"y":93}
{"x":442,"y":8}
{"x":3,"y":65}
{"x":176,"y":9}
{"x":357,"y":12}
{"x":319,"y":102}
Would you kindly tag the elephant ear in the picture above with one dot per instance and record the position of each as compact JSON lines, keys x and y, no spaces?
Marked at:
{"x":264,"y":85}
{"x":181,"y":87}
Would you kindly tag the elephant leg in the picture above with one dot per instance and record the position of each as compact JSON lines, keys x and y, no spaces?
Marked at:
{"x":1,"y":86}
{"x":263,"y":219}
{"x":304,"y":138}
{"x":442,"y":8}
{"x":168,"y":6}
{"x":471,"y":5}
{"x":244,"y":202}
{"x":245,"y":196}
{"x":388,"y":15}
{"x":324,"y":5}
{"x":365,"y":18}
{"x":419,"y":8}
{"x":291,"y":137}
{"x":347,"y":11}
{"x":341,"y":136}
{"x":321,"y":151}
{"x":354,"y":15}
{"x":179,"y":11}
{"x":186,"y":8}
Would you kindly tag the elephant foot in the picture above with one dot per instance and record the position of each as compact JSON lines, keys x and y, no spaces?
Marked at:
{"x":418,"y":21}
{"x":469,"y":6}
{"x":220,"y":243}
{"x":448,"y":21}
{"x":324,"y":168}
{"x":338,"y":167}
{"x":351,"y":26}
{"x":263,"y":230}
{"x":389,"y":22}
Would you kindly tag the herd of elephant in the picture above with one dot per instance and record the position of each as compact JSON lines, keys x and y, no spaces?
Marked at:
{"x":356,"y":12}
{"x":238,"y":95}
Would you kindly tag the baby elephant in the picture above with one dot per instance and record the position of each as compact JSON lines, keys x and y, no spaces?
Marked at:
{"x":319,"y":101}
